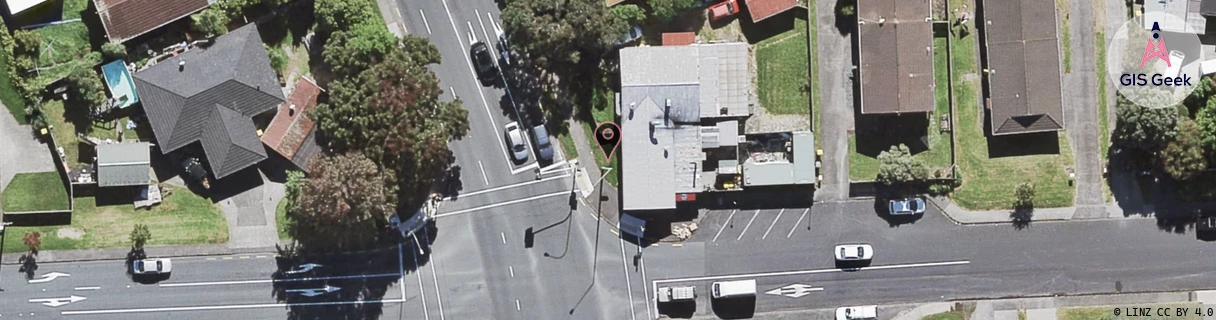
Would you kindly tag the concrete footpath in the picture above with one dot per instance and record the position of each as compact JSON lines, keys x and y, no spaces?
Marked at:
{"x":1041,"y":308}
{"x":121,"y":253}
{"x":1108,"y":212}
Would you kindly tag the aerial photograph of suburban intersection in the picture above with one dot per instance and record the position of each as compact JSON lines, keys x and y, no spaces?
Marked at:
{"x":608,"y":159}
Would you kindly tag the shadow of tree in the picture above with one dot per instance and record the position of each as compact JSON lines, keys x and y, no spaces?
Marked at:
{"x":1021,"y":217}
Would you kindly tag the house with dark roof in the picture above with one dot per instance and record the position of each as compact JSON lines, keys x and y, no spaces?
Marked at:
{"x":1023,"y":70}
{"x":764,"y":9}
{"x":208,"y":94}
{"x":895,"y":40}
{"x":290,"y":133}
{"x":126,"y":19}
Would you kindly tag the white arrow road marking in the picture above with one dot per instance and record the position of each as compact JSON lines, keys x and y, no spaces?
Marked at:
{"x":303,"y":268}
{"x":49,"y":277}
{"x":56,"y":302}
{"x":794,"y":290}
{"x":314,"y":291}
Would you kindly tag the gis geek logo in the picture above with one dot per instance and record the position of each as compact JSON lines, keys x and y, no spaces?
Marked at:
{"x":1158,"y":50}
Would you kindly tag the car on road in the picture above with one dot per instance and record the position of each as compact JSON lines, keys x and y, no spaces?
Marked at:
{"x":906,"y":206}
{"x":483,"y":59}
{"x":544,"y":147}
{"x":733,"y":289}
{"x":723,"y":10}
{"x":854,"y":252}
{"x":634,"y":34}
{"x":857,"y":313}
{"x":515,"y":142}
{"x":152,"y":266}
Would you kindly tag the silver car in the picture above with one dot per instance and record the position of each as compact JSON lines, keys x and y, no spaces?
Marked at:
{"x":515,"y":142}
{"x":906,"y":206}
{"x":152,"y":266}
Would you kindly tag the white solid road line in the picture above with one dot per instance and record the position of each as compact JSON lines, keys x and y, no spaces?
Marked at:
{"x":427,"y":24}
{"x":510,"y":186}
{"x":86,"y":288}
{"x":401,"y":269}
{"x":516,"y":304}
{"x":421,"y":289}
{"x":483,"y":173}
{"x":512,"y":270}
{"x":529,"y":167}
{"x":559,"y":193}
{"x":796,"y":224}
{"x":770,"y":227}
{"x":469,"y":62}
{"x":728,"y":219}
{"x":817,"y":271}
{"x":235,"y":282}
{"x":435,"y":280}
{"x":504,"y":237}
{"x":625,"y":268}
{"x":642,"y":259}
{"x":228,"y":307}
{"x":749,"y":225}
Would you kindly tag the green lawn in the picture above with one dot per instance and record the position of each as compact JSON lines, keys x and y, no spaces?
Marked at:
{"x":1062,"y":19}
{"x":68,"y":45}
{"x":183,"y":218}
{"x":8,"y":94}
{"x":1103,"y":109}
{"x":1105,"y":312}
{"x":813,"y":57}
{"x":568,"y":146}
{"x":953,"y":315}
{"x":280,"y":219}
{"x":42,"y":191}
{"x":781,"y":63}
{"x":603,"y":110}
{"x":864,"y":167}
{"x":988,"y":183}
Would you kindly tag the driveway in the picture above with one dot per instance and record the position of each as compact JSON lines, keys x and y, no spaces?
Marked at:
{"x":835,"y":54}
{"x":22,"y":152}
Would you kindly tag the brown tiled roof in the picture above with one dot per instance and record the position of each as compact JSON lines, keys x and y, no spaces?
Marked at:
{"x":896,"y":56}
{"x":762,"y":9}
{"x":126,"y":19}
{"x":290,"y":129}
{"x":1024,"y":66}
{"x":679,"y":38}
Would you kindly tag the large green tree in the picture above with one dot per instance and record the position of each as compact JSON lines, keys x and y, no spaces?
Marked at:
{"x":554,"y":33}
{"x":1205,"y":118}
{"x":349,"y":52}
{"x":344,"y":204}
{"x":335,"y":15}
{"x":1183,"y":157}
{"x":897,"y":166}
{"x":1145,"y":129}
{"x":86,"y":87}
{"x":211,"y":22}
{"x":392,"y":112}
{"x":665,"y":10}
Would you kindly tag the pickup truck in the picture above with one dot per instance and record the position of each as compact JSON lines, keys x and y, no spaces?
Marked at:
{"x":670,"y":294}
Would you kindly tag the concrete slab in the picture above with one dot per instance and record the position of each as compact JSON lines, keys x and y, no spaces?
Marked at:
{"x":1040,"y":314}
{"x":1005,"y":315}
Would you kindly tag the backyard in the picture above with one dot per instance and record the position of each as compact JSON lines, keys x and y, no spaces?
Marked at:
{"x":65,"y":45}
{"x":781,"y":71}
{"x":863,"y":159}
{"x":183,"y":218}
{"x":69,"y":120}
{"x":42,"y":191}
{"x":991,"y":168}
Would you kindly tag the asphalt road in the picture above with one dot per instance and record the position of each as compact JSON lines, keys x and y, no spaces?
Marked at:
{"x":1074,"y":257}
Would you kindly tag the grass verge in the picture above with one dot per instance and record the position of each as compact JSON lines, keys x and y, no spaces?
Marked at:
{"x":1103,"y":108}
{"x":42,"y":191}
{"x":952,"y":315}
{"x":813,"y":58}
{"x":989,"y":182}
{"x":183,"y":218}
{"x":1104,"y":312}
{"x":280,"y":219}
{"x":1065,"y":35}
{"x":781,"y":63}
{"x":568,"y":146}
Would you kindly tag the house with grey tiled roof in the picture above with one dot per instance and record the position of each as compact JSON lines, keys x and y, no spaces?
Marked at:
{"x":208,"y":95}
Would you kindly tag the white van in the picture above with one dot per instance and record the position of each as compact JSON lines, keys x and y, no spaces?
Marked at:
{"x":857,"y":313}
{"x":734,"y":289}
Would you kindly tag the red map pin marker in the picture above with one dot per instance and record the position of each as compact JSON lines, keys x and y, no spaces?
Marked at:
{"x":608,"y":134}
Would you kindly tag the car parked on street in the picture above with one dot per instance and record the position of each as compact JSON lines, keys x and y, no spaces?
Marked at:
{"x":857,"y":313}
{"x":544,"y":147}
{"x":515,"y":142}
{"x":906,"y":206}
{"x":854,"y":252}
{"x":153,"y":266}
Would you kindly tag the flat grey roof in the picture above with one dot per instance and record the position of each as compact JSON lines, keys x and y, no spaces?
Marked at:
{"x":1189,"y":12}
{"x":799,"y":170}
{"x":896,"y":56}
{"x":1024,"y":66}
{"x":124,"y":164}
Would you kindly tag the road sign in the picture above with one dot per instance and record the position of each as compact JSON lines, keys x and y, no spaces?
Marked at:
{"x":314,"y":291}
{"x":56,"y":302}
{"x":49,"y":277}
{"x":794,"y":290}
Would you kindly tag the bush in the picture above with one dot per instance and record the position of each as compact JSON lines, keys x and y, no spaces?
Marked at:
{"x":278,"y":59}
{"x":113,"y":51}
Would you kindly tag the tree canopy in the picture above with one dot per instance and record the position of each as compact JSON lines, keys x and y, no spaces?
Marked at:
{"x":556,"y":33}
{"x":86,"y":87}
{"x":349,"y":52}
{"x":1144,"y":128}
{"x":1023,"y":196}
{"x":344,"y":205}
{"x":665,"y":10}
{"x":335,"y":15}
{"x":897,"y":166}
{"x":211,"y":22}
{"x":1183,"y":157}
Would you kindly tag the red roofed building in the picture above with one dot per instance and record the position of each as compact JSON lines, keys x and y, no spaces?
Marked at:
{"x":679,"y":38}
{"x":763,"y":9}
{"x":126,"y":19}
{"x":291,"y":133}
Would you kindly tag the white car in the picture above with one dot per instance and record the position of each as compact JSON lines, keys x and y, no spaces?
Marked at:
{"x":152,"y":266}
{"x":857,"y":313}
{"x":515,"y":142}
{"x":854,"y":252}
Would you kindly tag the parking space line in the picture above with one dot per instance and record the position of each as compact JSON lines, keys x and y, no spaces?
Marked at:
{"x":770,"y":227}
{"x":732,"y":216}
{"x":628,"y":284}
{"x":421,"y":289}
{"x":424,"y":22}
{"x":749,"y":225}
{"x":483,"y":172}
{"x":796,"y":224}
